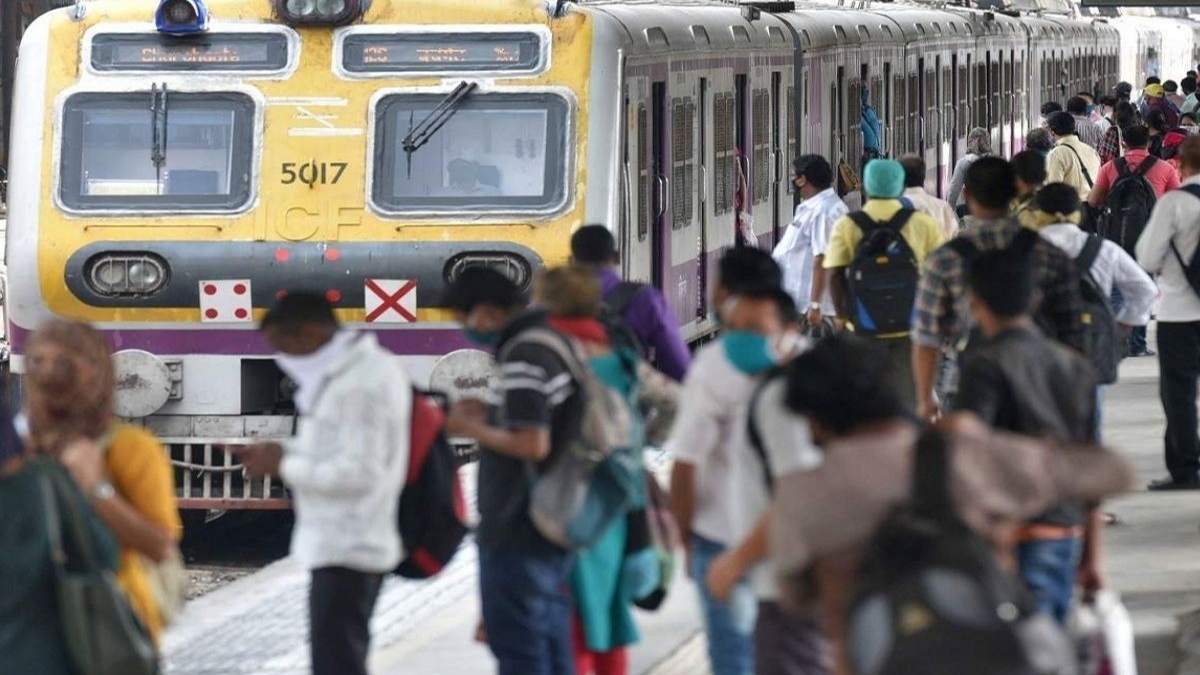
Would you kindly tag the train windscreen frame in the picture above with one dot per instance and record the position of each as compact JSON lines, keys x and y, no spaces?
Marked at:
{"x":504,"y":152}
{"x":204,"y":147}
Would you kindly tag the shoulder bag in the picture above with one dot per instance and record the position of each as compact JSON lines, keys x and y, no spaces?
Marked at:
{"x":104,"y":636}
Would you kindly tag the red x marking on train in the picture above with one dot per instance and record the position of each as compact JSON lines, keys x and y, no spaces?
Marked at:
{"x":392,"y":306}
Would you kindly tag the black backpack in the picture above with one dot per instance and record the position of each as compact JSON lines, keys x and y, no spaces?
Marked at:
{"x":932,"y":599}
{"x":612,"y":316}
{"x":433,"y":514}
{"x":1191,"y":269}
{"x":1127,"y":208}
{"x":882,"y":278}
{"x":1101,"y":337}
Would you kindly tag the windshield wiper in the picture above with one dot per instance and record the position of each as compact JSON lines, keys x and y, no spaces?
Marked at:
{"x":423,"y":131}
{"x":158,"y":132}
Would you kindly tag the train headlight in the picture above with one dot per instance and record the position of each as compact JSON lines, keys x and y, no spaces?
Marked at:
{"x":319,"y":12}
{"x":126,"y":274}
{"x":511,"y":265}
{"x":181,"y":17}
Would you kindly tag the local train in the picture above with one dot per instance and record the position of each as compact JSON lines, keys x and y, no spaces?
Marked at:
{"x":179,"y":164}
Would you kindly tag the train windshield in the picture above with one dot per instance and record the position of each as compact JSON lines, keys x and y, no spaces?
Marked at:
{"x":157,"y":151}
{"x":496,"y":152}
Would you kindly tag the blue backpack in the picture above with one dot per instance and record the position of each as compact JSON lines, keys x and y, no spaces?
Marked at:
{"x":882,"y":278}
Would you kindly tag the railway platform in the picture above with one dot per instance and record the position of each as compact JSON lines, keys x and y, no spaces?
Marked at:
{"x":257,"y":625}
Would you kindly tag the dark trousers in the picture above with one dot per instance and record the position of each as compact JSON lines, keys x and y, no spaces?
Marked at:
{"x":526,"y":610}
{"x":1179,"y":363}
{"x":900,"y":352}
{"x":789,"y":643}
{"x":340,"y":603}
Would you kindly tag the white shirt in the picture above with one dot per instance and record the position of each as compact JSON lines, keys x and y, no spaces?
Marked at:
{"x":1113,"y":267}
{"x":941,"y":211}
{"x":789,"y":447}
{"x":806,"y":238}
{"x":1175,"y":219}
{"x":346,"y":465}
{"x":708,"y":436}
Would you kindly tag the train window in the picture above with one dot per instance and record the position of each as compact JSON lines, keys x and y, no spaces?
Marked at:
{"x":963,"y":102}
{"x":841,"y":33}
{"x":740,"y":34}
{"x":123,"y":151}
{"x":497,"y":152}
{"x":643,"y":174}
{"x":791,"y":123}
{"x":760,"y":138}
{"x":700,"y":35}
{"x":863,"y":32}
{"x":725,"y":144}
{"x":683,"y":166}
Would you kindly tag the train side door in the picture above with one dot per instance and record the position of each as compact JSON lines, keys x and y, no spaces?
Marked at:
{"x":660,"y":193}
{"x":777,"y":175}
{"x":742,"y":188}
{"x":703,"y":198}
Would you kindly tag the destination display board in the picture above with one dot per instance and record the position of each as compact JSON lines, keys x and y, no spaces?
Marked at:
{"x":441,"y":52}
{"x":217,"y":52}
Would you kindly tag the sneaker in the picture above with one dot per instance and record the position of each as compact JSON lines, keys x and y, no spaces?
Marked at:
{"x":1169,"y":484}
{"x":1148,"y":352}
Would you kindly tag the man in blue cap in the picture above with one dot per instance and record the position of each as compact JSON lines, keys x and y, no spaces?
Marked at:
{"x":873,"y":262}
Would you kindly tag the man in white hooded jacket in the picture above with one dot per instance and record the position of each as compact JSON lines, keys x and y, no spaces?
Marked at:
{"x":345,"y":468}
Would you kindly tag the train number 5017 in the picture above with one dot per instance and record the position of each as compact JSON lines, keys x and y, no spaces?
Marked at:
{"x":313,"y":173}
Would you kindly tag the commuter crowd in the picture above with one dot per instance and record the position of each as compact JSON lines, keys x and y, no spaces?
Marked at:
{"x":887,"y":460}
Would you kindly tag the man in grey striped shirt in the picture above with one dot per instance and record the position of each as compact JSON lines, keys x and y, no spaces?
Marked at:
{"x":1088,"y":131}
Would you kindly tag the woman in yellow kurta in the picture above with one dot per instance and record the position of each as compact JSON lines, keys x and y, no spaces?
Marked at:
{"x":121,"y":468}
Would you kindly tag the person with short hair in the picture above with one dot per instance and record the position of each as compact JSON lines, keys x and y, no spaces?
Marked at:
{"x":1136,"y":141}
{"x":1164,"y":138}
{"x":1096,"y":109}
{"x":1188,"y":86}
{"x":708,"y":484}
{"x":824,"y":518}
{"x":644,"y":308}
{"x":346,"y":464}
{"x":1017,"y":379}
{"x":883,"y":181}
{"x":534,"y":417}
{"x":801,"y":250}
{"x":1058,"y":218}
{"x":1049,"y":108}
{"x":1087,"y":130}
{"x":914,"y":192}
{"x":1071,"y":161}
{"x":942,"y":319}
{"x":1030,"y":169}
{"x":1123,"y":91}
{"x":1171,"y":89}
{"x":1189,"y":122}
{"x":1172,"y":239}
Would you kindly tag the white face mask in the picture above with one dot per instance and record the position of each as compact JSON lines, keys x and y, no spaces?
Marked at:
{"x":308,"y":371}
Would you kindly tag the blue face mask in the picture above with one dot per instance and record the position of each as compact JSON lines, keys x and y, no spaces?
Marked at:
{"x":488,"y":338}
{"x":750,"y":353}
{"x":1091,"y":109}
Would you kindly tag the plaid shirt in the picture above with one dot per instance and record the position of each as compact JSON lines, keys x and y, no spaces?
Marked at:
{"x":1109,"y":147}
{"x":942,"y":315}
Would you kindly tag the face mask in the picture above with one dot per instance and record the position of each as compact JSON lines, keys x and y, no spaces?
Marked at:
{"x":749,"y":352}
{"x":1091,"y":109}
{"x":485,"y":338}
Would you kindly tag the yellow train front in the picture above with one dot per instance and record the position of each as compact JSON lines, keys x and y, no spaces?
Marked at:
{"x":178,"y":165}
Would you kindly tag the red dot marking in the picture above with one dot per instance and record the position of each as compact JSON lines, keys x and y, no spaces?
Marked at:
{"x":239,"y":289}
{"x":210,"y":313}
{"x":241,"y":314}
{"x":332,"y":254}
{"x":279,"y":295}
{"x":210,"y":289}
{"x":282,"y":255}
{"x":333,"y":296}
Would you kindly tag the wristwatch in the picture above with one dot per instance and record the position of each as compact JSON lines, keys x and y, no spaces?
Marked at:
{"x":103,"y":490}
{"x":814,"y":305}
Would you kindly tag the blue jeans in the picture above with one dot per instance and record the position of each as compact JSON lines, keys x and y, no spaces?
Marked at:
{"x":728,"y":625}
{"x":527,"y":610}
{"x":1048,"y":569}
